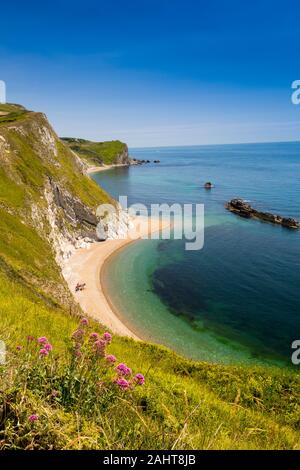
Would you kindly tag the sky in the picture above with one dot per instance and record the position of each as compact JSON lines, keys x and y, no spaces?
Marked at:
{"x":155,"y":72}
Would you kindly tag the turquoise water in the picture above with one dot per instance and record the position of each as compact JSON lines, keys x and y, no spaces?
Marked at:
{"x":237,"y":299}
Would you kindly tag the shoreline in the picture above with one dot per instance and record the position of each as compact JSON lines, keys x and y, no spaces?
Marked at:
{"x":97,"y":169}
{"x":87,"y":265}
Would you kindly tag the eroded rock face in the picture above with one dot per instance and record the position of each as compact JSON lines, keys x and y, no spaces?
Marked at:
{"x":244,"y":209}
{"x":73,"y":208}
{"x":74,"y":225}
{"x":123,"y":157}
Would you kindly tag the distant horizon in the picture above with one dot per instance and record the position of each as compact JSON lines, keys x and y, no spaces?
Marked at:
{"x":216,"y":145}
{"x":170,"y":146}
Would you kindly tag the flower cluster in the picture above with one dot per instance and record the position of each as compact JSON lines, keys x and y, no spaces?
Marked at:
{"x":124,"y":371}
{"x":100,"y":346}
{"x":140,"y":379}
{"x":107,"y":337}
{"x":110,"y":358}
{"x":123,"y":384}
{"x":96,"y":363}
{"x":97,"y":346}
{"x":46,"y":347}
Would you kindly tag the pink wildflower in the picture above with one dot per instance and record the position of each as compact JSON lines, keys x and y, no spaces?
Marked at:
{"x":140,"y":379}
{"x":78,"y":353}
{"x":30,"y":338}
{"x":122,"y":369}
{"x":42,"y":340}
{"x":43,"y":352}
{"x":18,"y":348}
{"x":122,"y":383}
{"x":94,"y":336}
{"x":84,"y":321}
{"x":107,"y":337}
{"x":100,"y":347}
{"x":48,"y":347}
{"x":33,"y":418}
{"x":78,"y":334}
{"x":111,"y":358}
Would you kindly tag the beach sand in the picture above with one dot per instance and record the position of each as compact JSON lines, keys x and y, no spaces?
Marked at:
{"x":96,"y":169}
{"x":85,"y":265}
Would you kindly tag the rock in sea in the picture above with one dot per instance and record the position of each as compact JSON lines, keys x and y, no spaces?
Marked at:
{"x":244,"y":209}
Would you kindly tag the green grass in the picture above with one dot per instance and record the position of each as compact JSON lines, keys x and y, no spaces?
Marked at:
{"x":11,"y":194}
{"x":13,"y":112}
{"x":82,"y":186}
{"x":183,"y":404}
{"x":27,"y":311}
{"x":97,"y":153}
{"x":29,"y":166}
{"x":25,"y":251}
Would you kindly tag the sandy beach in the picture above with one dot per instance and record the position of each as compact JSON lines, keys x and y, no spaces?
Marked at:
{"x":96,"y":169}
{"x":85,"y":265}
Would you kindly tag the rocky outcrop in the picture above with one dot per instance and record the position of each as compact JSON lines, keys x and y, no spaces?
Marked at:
{"x":75,"y":211}
{"x":244,"y":209}
{"x":123,"y":158}
{"x":74,"y":225}
{"x":136,"y":161}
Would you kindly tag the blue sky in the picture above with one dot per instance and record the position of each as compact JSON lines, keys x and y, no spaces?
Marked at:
{"x":156,"y":72}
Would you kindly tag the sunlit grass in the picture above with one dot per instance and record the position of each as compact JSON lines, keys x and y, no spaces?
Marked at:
{"x":182,"y":405}
{"x":97,"y":153}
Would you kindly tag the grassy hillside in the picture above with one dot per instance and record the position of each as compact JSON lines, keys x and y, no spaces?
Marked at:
{"x":99,"y":153}
{"x":11,"y":112}
{"x":31,"y":155}
{"x":68,"y":399}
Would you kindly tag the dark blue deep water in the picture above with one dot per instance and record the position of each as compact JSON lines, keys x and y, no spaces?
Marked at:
{"x":242,"y":288}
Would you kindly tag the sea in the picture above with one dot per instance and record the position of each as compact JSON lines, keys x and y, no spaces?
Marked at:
{"x":237,"y":299}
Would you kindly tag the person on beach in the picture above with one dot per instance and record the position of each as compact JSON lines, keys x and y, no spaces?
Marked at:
{"x":80,"y":286}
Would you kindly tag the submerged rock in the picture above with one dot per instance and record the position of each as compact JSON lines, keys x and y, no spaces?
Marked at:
{"x":244,"y":209}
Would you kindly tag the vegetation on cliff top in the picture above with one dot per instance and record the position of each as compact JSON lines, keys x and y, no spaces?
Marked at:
{"x":47,"y":401}
{"x":11,"y":112}
{"x":98,"y":153}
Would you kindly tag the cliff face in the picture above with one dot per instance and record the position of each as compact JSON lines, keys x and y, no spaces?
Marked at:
{"x":99,"y":153}
{"x":46,"y":201}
